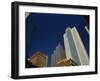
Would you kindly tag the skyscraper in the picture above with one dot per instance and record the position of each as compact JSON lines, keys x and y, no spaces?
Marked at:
{"x":58,"y":54}
{"x":82,"y":53}
{"x":74,"y":47}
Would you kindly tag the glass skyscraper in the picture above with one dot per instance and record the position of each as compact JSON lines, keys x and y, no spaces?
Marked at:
{"x":74,"y":47}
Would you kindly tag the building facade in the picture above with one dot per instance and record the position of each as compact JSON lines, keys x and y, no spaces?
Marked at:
{"x":39,"y":59}
{"x":74,"y":47}
{"x":58,"y":54}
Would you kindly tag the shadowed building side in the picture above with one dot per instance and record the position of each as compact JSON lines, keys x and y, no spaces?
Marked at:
{"x":67,"y":47}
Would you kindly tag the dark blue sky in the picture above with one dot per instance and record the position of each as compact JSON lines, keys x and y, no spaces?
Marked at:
{"x":45,"y":31}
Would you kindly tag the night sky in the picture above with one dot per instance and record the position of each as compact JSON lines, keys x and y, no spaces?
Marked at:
{"x":45,"y":31}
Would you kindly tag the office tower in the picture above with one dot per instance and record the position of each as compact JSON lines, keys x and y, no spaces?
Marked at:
{"x":39,"y":59}
{"x":72,"y":52}
{"x":58,"y":54}
{"x":67,"y":47}
{"x":74,"y":47}
{"x":83,"y":56}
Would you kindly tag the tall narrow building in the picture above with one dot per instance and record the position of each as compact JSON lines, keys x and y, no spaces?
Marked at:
{"x":58,"y":54}
{"x":82,"y":53}
{"x":67,"y":47}
{"x":74,"y":47}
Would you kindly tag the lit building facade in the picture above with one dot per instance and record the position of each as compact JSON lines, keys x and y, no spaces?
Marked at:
{"x":39,"y":59}
{"x":74,"y":47}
